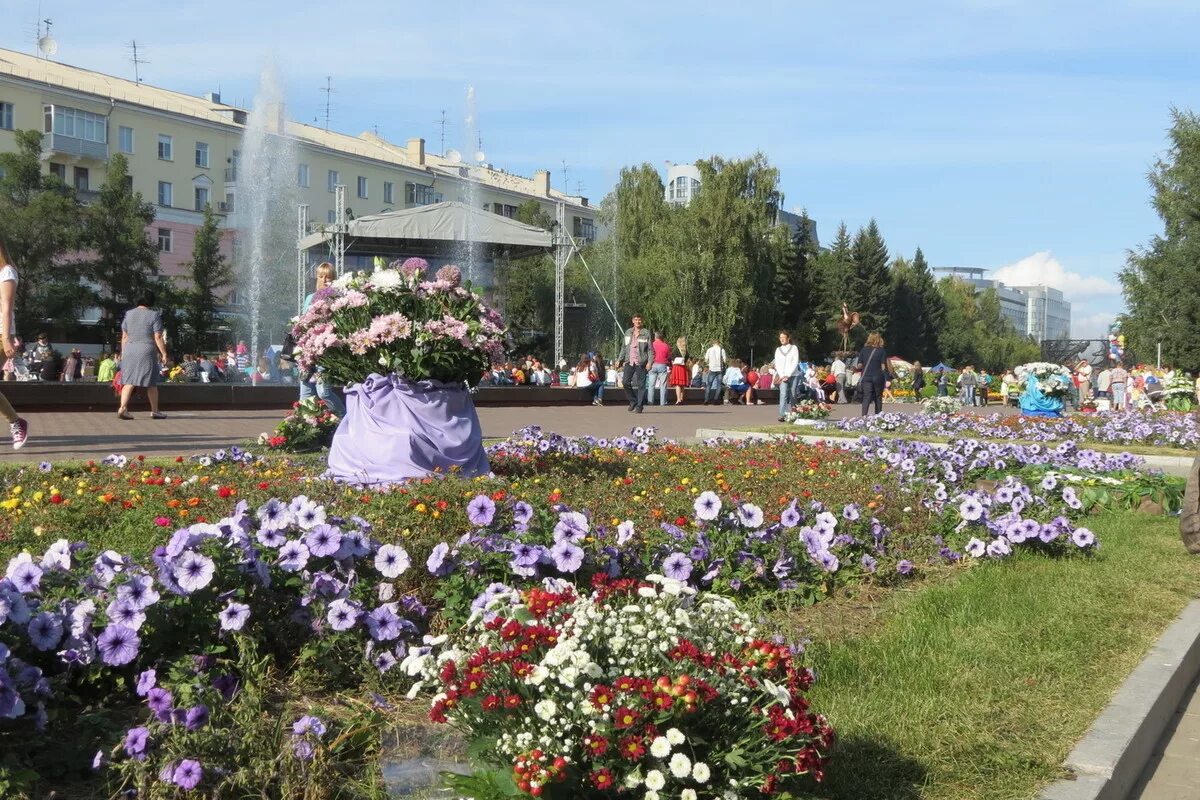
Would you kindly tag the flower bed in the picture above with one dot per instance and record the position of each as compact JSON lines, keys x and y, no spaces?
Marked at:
{"x":1169,"y":430}
{"x":309,"y":427}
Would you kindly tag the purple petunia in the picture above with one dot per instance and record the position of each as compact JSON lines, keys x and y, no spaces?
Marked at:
{"x":342,"y":614}
{"x":138,"y":591}
{"x":971,"y":510}
{"x":24,"y":574}
{"x":146,"y":681}
{"x":124,"y":612}
{"x":790,"y":517}
{"x":193,"y":571}
{"x":45,"y":631}
{"x":308,"y":724}
{"x":522,"y":512}
{"x":750,"y":515}
{"x":188,"y":774}
{"x":118,"y":645}
{"x":677,"y":566}
{"x":293,"y":556}
{"x":323,"y":540}
{"x":196,"y":717}
{"x":481,"y":510}
{"x":439,"y":562}
{"x":904,"y":567}
{"x":233,"y":616}
{"x":159,"y":700}
{"x":976,"y":548}
{"x":568,"y":557}
{"x":625,"y":532}
{"x":136,"y":740}
{"x":383,"y":623}
{"x":707,"y":506}
{"x":391,"y":560}
{"x":1082,"y":537}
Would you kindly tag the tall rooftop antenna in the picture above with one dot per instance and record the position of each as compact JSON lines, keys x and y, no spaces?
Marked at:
{"x":328,"y":90}
{"x":566,"y":185}
{"x":136,"y":58}
{"x":46,"y":45}
{"x":579,"y":188}
{"x":442,"y":123}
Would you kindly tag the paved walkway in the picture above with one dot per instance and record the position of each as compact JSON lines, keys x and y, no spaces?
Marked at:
{"x":61,"y":435}
{"x":1174,"y":769}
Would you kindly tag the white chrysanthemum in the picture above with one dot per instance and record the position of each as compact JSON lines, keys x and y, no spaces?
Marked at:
{"x":655,"y":780}
{"x":545,"y":709}
{"x":687,"y":794}
{"x":675,"y":737}
{"x":700,"y":772}
{"x":660,"y":747}
{"x":386,"y":279}
{"x":537,"y":675}
{"x":650,"y":795}
{"x":681,"y":765}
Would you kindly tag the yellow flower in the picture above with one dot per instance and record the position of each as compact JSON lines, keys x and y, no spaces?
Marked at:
{"x":685,"y":481}
{"x":37,"y":496}
{"x":38,"y":530}
{"x":420,"y":508}
{"x":10,"y":504}
{"x":17,"y":490}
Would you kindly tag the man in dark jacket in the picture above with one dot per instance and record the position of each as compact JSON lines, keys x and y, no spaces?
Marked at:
{"x":639,"y":355}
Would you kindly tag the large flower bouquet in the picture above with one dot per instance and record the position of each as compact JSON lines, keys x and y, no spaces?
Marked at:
{"x":394,"y":321}
{"x":808,"y":409}
{"x":642,"y":686}
{"x":1180,"y":393}
{"x":1053,"y":380}
{"x":310,"y":426}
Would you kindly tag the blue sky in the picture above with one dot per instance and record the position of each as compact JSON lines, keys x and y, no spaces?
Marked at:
{"x":1008,"y":134}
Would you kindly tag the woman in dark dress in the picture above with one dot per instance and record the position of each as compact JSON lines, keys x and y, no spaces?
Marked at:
{"x":142,"y":347}
{"x":918,"y":381}
{"x":873,"y":360}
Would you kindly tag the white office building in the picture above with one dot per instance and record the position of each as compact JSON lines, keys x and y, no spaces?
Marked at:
{"x":1049,"y":313}
{"x":1014,"y":304}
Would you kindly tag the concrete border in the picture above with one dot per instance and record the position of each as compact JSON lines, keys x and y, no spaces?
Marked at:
{"x":1108,"y":761}
{"x":1171,"y":465}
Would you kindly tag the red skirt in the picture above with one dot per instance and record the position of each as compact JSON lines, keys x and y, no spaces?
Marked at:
{"x":679,"y":376}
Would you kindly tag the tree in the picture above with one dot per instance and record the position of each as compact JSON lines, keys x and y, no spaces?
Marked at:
{"x":918,"y":311}
{"x":871,"y":282}
{"x":831,"y":277}
{"x":125,"y":262}
{"x":210,"y":271}
{"x":932,"y":309}
{"x":40,"y":222}
{"x":977,"y":333}
{"x":796,"y":289}
{"x":1160,"y":280}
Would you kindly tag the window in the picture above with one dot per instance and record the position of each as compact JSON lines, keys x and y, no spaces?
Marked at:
{"x":81,"y":179}
{"x":75,"y":123}
{"x":302,"y":178}
{"x":332,"y":216}
{"x":201,"y":197}
{"x":585,"y":229}
{"x":202,"y":154}
{"x":332,"y":179}
{"x":59,"y":171}
{"x":165,"y":240}
{"x":420,"y":195}
{"x":125,"y":140}
{"x":164,"y":148}
{"x":6,"y":116}
{"x":164,"y":193}
{"x":363,"y":191}
{"x":389,"y":192}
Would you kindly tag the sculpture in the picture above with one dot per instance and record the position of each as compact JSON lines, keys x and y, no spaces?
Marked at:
{"x":849,"y":321}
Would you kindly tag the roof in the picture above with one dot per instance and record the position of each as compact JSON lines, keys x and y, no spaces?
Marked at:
{"x":366,"y":145}
{"x":439,"y":222}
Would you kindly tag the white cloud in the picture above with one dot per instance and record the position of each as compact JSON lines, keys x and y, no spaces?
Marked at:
{"x":1091,"y":326}
{"x":1042,"y":268}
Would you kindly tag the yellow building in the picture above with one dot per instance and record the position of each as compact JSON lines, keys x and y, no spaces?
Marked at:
{"x":184,"y":153}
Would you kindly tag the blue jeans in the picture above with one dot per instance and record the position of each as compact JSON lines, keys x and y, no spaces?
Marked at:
{"x":712,"y":387}
{"x":1118,"y":395}
{"x":968,"y":397}
{"x":657,"y":379}
{"x":787,"y":391}
{"x":323,"y":391}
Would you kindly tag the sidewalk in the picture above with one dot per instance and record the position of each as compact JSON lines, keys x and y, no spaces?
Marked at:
{"x":1173,"y":772}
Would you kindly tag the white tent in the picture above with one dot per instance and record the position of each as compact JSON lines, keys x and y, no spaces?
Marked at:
{"x":442,"y":223}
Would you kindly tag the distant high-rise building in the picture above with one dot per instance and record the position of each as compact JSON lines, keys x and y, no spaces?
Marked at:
{"x":683,"y":184}
{"x":1038,"y":311}
{"x":1014,"y":304}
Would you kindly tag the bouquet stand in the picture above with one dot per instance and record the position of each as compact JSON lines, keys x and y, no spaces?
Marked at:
{"x":395,"y":429}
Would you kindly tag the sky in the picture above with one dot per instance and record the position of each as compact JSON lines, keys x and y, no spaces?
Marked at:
{"x":1014,"y":135}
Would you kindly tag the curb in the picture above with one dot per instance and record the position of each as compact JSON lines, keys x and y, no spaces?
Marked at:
{"x":1178,"y":466}
{"x":1110,"y":758}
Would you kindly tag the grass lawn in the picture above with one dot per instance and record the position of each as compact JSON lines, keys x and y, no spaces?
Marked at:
{"x":978,"y":685}
{"x":1104,"y":447}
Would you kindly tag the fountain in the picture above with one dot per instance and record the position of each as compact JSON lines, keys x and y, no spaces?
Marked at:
{"x":264,"y":211}
{"x":471,"y":262}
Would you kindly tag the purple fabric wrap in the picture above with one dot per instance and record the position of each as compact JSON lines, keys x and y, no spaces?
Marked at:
{"x":395,"y":429}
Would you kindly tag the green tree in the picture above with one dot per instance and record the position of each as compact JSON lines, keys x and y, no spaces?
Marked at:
{"x":976,"y":331}
{"x":210,"y":272}
{"x":1160,"y":280}
{"x":796,"y":289}
{"x":918,"y":311}
{"x":125,"y":261}
{"x":871,"y":282}
{"x":831,"y":278}
{"x":41,"y":223}
{"x":932,"y":309}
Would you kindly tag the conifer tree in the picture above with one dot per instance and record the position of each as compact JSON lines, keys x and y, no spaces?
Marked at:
{"x":210,"y":272}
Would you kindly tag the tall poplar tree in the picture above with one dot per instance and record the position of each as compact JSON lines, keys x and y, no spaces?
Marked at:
{"x":210,"y":272}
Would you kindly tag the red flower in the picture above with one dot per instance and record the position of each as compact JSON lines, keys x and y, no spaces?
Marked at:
{"x":601,"y":696}
{"x":626,"y":717}
{"x":632,"y":748}
{"x":491,"y":702}
{"x":596,"y":745}
{"x":602,"y":779}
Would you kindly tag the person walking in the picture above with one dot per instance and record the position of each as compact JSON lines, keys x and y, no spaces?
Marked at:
{"x":17,"y":426}
{"x":141,"y":338}
{"x":657,"y":379}
{"x":714,"y":362}
{"x":918,"y":382}
{"x":838,"y":370}
{"x":1118,"y":381}
{"x":787,"y":359}
{"x":639,"y":354}
{"x":313,"y":383}
{"x":873,"y":359}
{"x":679,"y":377}
{"x":943,"y":382}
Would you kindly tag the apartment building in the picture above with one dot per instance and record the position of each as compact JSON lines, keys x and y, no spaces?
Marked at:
{"x":184,"y":153}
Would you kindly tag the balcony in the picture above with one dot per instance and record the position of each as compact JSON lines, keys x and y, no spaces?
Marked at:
{"x":58,"y":144}
{"x":231,"y":174}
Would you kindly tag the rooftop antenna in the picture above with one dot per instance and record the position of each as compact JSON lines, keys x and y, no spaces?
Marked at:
{"x":579,"y":188}
{"x":328,"y":90}
{"x":565,"y":173}
{"x":480,"y":156}
{"x":136,"y":58}
{"x":47,"y":47}
{"x":442,"y":123}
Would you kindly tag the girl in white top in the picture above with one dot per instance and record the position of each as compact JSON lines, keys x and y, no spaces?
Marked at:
{"x":8,"y":332}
